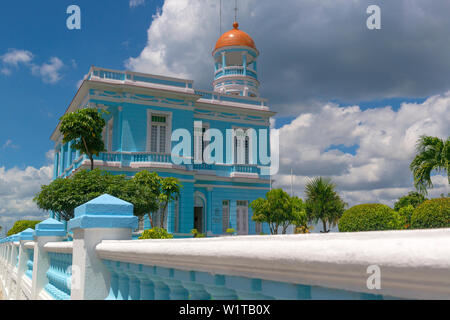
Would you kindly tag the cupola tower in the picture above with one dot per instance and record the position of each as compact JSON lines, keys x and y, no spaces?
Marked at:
{"x":235,"y":65}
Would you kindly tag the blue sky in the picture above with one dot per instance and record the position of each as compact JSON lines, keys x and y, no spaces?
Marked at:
{"x":111,"y":32}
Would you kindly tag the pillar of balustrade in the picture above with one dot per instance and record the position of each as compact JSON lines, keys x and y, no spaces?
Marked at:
{"x":103,"y":218}
{"x":196,"y":290}
{"x":176,"y":289}
{"x":216,"y":286}
{"x":23,"y":237}
{"x":146,"y":285}
{"x":49,"y":230}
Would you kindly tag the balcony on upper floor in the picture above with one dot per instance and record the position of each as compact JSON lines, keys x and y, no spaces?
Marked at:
{"x":155,"y":161}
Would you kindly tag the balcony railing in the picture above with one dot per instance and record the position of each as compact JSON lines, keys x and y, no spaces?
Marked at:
{"x":235,"y":71}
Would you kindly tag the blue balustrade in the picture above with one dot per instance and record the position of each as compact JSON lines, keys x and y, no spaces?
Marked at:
{"x":59,"y":275}
{"x":139,"y":282}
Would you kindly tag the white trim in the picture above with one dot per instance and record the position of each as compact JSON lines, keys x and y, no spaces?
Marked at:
{"x":167,"y":125}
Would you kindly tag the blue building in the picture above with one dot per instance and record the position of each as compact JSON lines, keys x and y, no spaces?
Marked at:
{"x":149,"y":118}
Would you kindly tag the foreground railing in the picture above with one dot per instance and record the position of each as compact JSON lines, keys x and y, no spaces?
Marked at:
{"x":103,"y":263}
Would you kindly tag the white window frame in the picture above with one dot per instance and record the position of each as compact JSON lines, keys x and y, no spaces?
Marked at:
{"x":168,"y":125}
{"x":239,"y":153}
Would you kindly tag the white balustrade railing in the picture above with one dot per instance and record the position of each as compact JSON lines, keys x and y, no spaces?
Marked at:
{"x":103,"y":262}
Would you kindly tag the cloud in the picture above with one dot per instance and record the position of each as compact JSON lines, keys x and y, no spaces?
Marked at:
{"x":311,"y":51}
{"x":9,"y":144}
{"x":136,"y":3}
{"x":17,"y":189}
{"x":13,"y":58}
{"x":49,"y":72}
{"x":386,"y":139}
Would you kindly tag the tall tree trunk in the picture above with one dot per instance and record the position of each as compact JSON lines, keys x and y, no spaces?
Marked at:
{"x":163,"y":214}
{"x":151,"y":220}
{"x":92,"y":162}
{"x":324,"y":223}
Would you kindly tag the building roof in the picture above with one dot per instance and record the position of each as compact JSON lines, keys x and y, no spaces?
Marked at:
{"x":235,"y":37}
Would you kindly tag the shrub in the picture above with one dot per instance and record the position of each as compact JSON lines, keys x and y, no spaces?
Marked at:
{"x":156,"y":233}
{"x":434,"y":213}
{"x":406,"y":213}
{"x":21,"y":225}
{"x":370,"y":217}
{"x":197,"y":234}
{"x":230,"y":231}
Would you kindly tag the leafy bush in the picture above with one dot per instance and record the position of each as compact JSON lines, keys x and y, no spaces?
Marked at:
{"x":370,"y":217}
{"x":434,"y":213}
{"x":20,"y":226}
{"x":230,"y":231}
{"x":156,"y":233}
{"x":406,"y":214}
{"x":197,"y":234}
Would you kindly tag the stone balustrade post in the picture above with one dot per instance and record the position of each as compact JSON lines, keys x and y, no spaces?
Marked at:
{"x":103,"y":218}
{"x":49,"y":230}
{"x":23,"y":237}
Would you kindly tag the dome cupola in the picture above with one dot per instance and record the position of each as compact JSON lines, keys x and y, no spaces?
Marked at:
{"x":235,"y":65}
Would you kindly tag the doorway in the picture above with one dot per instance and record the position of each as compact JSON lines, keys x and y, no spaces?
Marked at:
{"x":198,"y":219}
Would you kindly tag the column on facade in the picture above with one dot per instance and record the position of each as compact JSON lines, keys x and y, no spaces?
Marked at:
{"x":56,"y":164}
{"x":244,"y":62}
{"x":69,"y":154}
{"x":61,"y":160}
{"x":224,"y":61}
{"x":120,"y":128}
{"x":209,"y":210}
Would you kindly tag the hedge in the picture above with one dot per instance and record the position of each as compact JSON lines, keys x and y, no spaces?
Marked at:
{"x":22,"y":225}
{"x":431,"y":214}
{"x":155,"y":233}
{"x":370,"y":217}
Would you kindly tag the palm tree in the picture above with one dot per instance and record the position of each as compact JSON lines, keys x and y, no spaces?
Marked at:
{"x":323,"y":203}
{"x":433,"y":154}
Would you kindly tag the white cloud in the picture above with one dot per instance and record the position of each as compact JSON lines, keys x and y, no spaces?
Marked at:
{"x":49,"y":72}
{"x":310,"y":50}
{"x":379,"y":171}
{"x":17,"y":190}
{"x":136,"y":3}
{"x":14,"y":57}
{"x":9,"y":144}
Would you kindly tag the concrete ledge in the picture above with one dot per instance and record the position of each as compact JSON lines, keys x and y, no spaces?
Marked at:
{"x":59,"y":247}
{"x":414,"y":264}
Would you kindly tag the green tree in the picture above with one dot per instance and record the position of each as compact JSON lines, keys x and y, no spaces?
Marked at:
{"x":278,"y":210}
{"x":323,"y":203}
{"x":22,"y":225}
{"x":412,"y":198}
{"x":170,"y":191}
{"x":432,"y":154}
{"x":165,"y":189}
{"x":62,"y":196}
{"x":84,"y":127}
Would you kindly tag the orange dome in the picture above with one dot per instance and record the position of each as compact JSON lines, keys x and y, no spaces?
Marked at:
{"x":235,"y":37}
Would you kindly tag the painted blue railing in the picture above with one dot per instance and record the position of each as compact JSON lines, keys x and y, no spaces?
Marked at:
{"x":59,"y":275}
{"x":30,"y":262}
{"x":245,"y":169}
{"x":235,"y":71}
{"x":140,"y":282}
